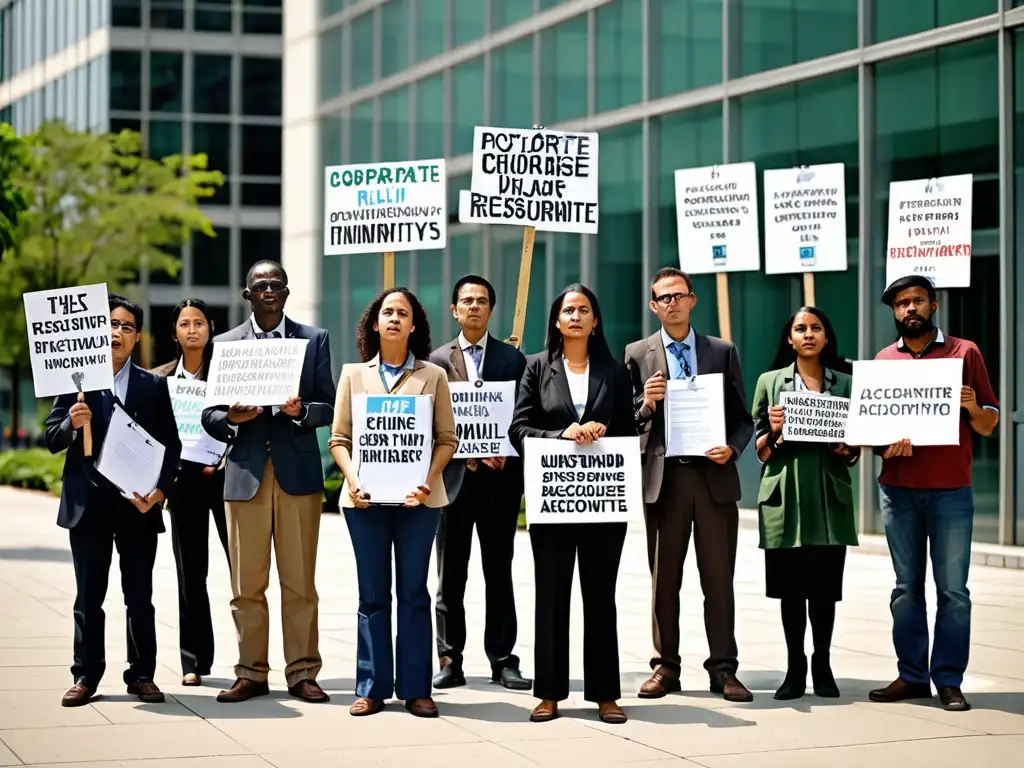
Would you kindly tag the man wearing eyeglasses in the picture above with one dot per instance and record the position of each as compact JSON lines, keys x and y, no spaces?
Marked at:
{"x":684,"y":493}
{"x":100,"y":517}
{"x":273,"y":487}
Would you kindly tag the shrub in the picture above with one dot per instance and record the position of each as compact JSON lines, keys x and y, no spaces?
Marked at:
{"x":33,"y":468}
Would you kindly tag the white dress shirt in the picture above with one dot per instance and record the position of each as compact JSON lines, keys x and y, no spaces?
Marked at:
{"x":471,"y":369}
{"x":579,"y":387}
{"x":181,"y":373}
{"x":675,"y":368}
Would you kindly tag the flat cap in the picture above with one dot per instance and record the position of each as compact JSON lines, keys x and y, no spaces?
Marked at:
{"x":908,"y":281}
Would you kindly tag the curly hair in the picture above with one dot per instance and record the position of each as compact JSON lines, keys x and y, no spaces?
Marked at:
{"x":368,"y":340}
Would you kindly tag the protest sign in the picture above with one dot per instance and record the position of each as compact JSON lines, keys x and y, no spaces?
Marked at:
{"x":69,"y":340}
{"x":716,"y":213}
{"x":814,"y":417}
{"x":895,"y":400}
{"x":805,"y":219}
{"x":385,"y":207}
{"x":930,"y":230}
{"x":596,"y":483}
{"x":540,"y":178}
{"x":255,"y":372}
{"x":188,"y":398}
{"x":392,"y":442}
{"x":483,"y":412}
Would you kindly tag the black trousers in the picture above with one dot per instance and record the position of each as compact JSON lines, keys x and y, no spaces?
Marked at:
{"x":113,"y":522}
{"x":487,"y":501}
{"x":195,"y":498}
{"x":555,"y":549}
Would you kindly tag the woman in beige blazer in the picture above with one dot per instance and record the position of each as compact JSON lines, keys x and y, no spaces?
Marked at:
{"x":393,"y":338}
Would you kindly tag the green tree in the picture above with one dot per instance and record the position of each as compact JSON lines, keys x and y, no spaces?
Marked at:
{"x":12,"y":203}
{"x":95,"y":211}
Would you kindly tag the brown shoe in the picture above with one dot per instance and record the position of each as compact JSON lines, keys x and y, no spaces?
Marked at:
{"x":660,"y":684}
{"x":309,"y":690}
{"x":422,"y":707}
{"x":953,"y":700}
{"x":731,"y":689}
{"x":363,"y":707}
{"x":243,"y":690}
{"x":901,"y":690}
{"x":610,"y":712}
{"x":191,"y":680}
{"x":545,"y":711}
{"x":147,"y":692}
{"x":78,"y":695}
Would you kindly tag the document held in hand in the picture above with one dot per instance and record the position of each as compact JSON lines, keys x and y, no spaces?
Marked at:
{"x":131,"y":458}
{"x":694,"y":415}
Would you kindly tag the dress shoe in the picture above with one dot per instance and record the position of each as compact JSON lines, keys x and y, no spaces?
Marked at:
{"x":309,"y":690}
{"x":610,"y":712}
{"x":147,"y":692}
{"x":511,"y":678}
{"x":545,"y":711}
{"x":363,"y":706}
{"x":243,"y":690}
{"x":730,"y":688}
{"x":795,"y":684}
{"x":78,"y":695}
{"x":191,"y":680}
{"x":823,"y":679}
{"x":450,"y":676}
{"x":661,"y":683}
{"x":901,"y":690}
{"x":952,"y":699}
{"x":422,"y":707}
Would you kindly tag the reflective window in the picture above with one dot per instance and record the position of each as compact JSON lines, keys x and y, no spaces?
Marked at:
{"x":261,"y":86}
{"x":361,"y":65}
{"x":259,"y":245}
{"x":126,"y":13}
{"x":430,"y":122}
{"x":430,"y":25}
{"x":330,"y":140}
{"x":167,"y":14}
{"x":361,"y":136}
{"x":125,"y":80}
{"x":911,"y":16}
{"x":467,"y":104}
{"x":262,"y":17}
{"x":211,"y":258}
{"x":1017,"y":315}
{"x":619,"y":54}
{"x":261,"y":150}
{"x":394,"y":126}
{"x":262,"y":194}
{"x":776,"y":33}
{"x":394,"y":32}
{"x":332,"y":61}
{"x":212,"y":16}
{"x":563,"y":72}
{"x":687,"y":50}
{"x":120,"y":124}
{"x":212,"y":92}
{"x":507,"y":12}
{"x":164,"y":138}
{"x":165,"y":81}
{"x":512,"y":85}
{"x":330,"y":7}
{"x":468,"y":17}
{"x":214,"y":140}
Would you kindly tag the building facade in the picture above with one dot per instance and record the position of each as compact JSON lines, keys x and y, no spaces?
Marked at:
{"x":895,"y":91}
{"x":191,"y":76}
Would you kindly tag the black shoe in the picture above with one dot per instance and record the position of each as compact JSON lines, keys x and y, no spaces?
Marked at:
{"x":953,"y":699}
{"x":450,"y":676}
{"x":795,"y":684}
{"x":511,"y":678}
{"x":822,"y":677}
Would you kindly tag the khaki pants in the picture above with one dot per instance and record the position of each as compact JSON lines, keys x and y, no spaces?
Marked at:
{"x":293,"y":523}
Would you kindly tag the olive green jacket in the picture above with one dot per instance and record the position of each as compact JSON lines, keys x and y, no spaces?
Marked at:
{"x":806,"y":492}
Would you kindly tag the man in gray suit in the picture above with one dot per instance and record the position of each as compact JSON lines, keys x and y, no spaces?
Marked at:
{"x":482,"y":493}
{"x":273,"y":487}
{"x":684,"y":493}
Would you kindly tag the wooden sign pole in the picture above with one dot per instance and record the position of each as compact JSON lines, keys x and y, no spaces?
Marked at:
{"x":389,"y":270}
{"x":809,"y":289}
{"x":86,"y":432}
{"x":523,"y":289}
{"x":724,"y":316}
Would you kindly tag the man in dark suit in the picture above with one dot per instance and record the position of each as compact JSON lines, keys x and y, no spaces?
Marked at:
{"x":273,"y":487}
{"x":99,"y":516}
{"x":485,"y":493}
{"x":681,"y":494}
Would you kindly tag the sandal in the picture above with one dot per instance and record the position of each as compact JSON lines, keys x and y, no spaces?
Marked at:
{"x":544,"y":712}
{"x":363,"y":706}
{"x":610,"y":712}
{"x":191,"y":680}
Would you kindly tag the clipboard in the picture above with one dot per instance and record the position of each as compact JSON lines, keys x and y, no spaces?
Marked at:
{"x":134,"y":465}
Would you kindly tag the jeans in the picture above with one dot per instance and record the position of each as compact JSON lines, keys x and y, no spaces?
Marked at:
{"x":941,"y":521}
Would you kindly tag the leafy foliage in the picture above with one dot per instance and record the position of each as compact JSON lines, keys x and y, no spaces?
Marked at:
{"x":12,"y":203}
{"x":34,"y":468}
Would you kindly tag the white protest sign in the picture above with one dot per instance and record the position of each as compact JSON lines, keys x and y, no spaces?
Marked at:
{"x":889,"y":405}
{"x":539,"y":178}
{"x":814,"y":417}
{"x":716,"y":214}
{"x":263,"y":372}
{"x":570,"y":483}
{"x":805,"y":219}
{"x":383,"y":207}
{"x":392,"y":442}
{"x":69,"y":340}
{"x":483,"y":412}
{"x":188,"y":398}
{"x":930,"y":230}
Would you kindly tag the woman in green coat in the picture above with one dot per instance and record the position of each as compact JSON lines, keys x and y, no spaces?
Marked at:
{"x":805,"y":501}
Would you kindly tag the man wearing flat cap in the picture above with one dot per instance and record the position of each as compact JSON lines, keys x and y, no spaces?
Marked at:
{"x":928,"y":505}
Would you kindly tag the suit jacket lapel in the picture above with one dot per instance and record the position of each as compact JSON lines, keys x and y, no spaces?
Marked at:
{"x":131,"y":398}
{"x":290,"y":328}
{"x":556,"y":375}
{"x":595,"y":385}
{"x":248,"y":334}
{"x":490,"y":364}
{"x":704,"y":362}
{"x":458,"y":362}
{"x":657,"y":359}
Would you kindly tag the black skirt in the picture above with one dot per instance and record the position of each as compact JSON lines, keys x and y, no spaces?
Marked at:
{"x":813,"y":572}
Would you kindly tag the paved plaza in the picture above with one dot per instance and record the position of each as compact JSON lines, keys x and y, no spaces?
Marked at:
{"x":483,"y":724}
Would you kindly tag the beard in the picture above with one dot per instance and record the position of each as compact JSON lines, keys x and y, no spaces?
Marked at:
{"x":916,"y":330}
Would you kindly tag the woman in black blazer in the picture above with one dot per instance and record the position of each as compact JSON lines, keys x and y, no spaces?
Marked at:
{"x":576,"y":391}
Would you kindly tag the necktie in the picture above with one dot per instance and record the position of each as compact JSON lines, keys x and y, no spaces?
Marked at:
{"x":679,"y":350}
{"x":476,"y":352}
{"x":268,"y":335}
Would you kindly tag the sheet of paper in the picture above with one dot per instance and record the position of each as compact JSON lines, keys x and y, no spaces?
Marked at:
{"x":813,"y":417}
{"x":392,"y":443}
{"x":187,"y":398}
{"x":131,"y":458}
{"x":694,"y":415}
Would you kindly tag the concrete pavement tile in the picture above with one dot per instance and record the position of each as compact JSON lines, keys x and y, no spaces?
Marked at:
{"x":123,"y":709}
{"x":221,"y":761}
{"x":54,"y":641}
{"x":42,"y":709}
{"x":7,"y":757}
{"x":120,"y":742}
{"x":992,"y":712}
{"x":433,"y":756}
{"x":34,"y":657}
{"x":35,"y":679}
{"x":1012,"y":639}
{"x":595,"y":750}
{"x":51,"y":627}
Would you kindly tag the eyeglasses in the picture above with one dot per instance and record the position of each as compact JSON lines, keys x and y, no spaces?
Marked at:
{"x":275,"y":286}
{"x":127,"y":328}
{"x":667,"y":298}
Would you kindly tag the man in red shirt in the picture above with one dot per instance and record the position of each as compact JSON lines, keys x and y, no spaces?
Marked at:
{"x":928,"y":504}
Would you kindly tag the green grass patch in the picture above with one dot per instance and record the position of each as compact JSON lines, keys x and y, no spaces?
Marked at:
{"x":33,"y":468}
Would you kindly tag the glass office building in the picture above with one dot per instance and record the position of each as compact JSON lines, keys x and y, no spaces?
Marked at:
{"x":191,"y":76}
{"x":895,"y":90}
